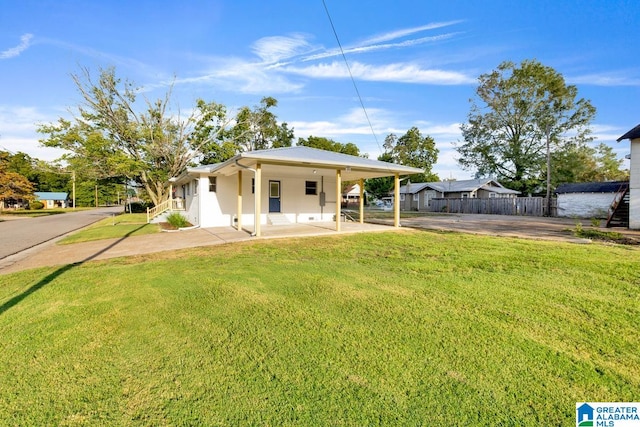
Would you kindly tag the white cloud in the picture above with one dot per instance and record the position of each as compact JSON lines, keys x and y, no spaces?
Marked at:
{"x":25,"y":42}
{"x":392,"y":35}
{"x":606,"y":79}
{"x":277,"y":48}
{"x":398,"y":72}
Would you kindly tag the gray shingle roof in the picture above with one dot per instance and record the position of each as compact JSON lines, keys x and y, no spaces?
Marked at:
{"x":592,"y":187}
{"x":458,"y":186}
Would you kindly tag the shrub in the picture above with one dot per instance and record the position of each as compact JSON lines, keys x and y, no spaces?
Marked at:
{"x":177,"y":220}
{"x":136,"y":207}
{"x":36,"y":205}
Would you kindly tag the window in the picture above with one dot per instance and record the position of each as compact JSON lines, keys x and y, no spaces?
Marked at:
{"x":253,"y":185}
{"x":492,"y":195}
{"x":188,"y":187}
{"x":465,"y":195}
{"x":311,"y":187}
{"x":195,"y":187}
{"x":213,"y":182}
{"x":416,"y":197}
{"x":402,"y":197}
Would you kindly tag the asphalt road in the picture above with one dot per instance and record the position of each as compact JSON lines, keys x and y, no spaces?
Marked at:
{"x":19,"y":234}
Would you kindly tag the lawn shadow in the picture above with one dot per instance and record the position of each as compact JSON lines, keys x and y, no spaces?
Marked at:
{"x":60,"y":271}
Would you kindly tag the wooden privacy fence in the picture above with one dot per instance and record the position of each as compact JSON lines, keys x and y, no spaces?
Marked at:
{"x":529,"y":206}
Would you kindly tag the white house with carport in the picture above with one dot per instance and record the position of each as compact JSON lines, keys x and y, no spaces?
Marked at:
{"x":277,"y":186}
{"x":634,"y":176}
{"x":417,"y":195}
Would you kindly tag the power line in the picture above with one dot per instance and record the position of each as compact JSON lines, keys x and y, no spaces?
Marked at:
{"x":344,"y":57}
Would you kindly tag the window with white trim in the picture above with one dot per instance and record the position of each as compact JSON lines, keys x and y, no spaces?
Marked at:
{"x":416,"y":197}
{"x":195,"y":187}
{"x":213,"y":184}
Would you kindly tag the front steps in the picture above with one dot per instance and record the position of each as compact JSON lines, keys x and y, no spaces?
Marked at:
{"x":278,"y":219}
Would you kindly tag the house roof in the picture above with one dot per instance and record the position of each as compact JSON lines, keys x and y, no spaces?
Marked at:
{"x":50,"y":195}
{"x":352,"y":167}
{"x":458,"y":186}
{"x":632,"y":134}
{"x":592,"y":187}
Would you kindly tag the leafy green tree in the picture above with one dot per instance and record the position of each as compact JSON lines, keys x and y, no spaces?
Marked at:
{"x":413,"y":149}
{"x":521,"y":116}
{"x":322,"y":143}
{"x":380,"y":187}
{"x":586,"y":164}
{"x":258,"y":129}
{"x":12,"y":184}
{"x":111,"y":138}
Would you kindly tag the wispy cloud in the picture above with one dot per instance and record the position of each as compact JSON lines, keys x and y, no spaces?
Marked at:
{"x":25,"y":42}
{"x":398,"y":72}
{"x":277,"y":48}
{"x":393,"y":35}
{"x":375,"y":47}
{"x":607,"y":79}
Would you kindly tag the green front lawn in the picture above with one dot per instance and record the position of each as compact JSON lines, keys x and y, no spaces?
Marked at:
{"x":399,"y":328}
{"x":114,"y":227}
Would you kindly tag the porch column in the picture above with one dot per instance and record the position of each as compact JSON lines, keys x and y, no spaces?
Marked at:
{"x":361,"y":201}
{"x":258,"y":200}
{"x":396,"y":200}
{"x":338,"y":197}
{"x":239,"y":206}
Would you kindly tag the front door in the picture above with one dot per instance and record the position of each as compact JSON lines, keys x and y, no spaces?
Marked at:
{"x":274,"y":196}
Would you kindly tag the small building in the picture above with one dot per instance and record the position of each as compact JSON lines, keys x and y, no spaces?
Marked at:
{"x":588,"y":199}
{"x":634,"y":176}
{"x":351,"y":194}
{"x":417,"y":196}
{"x":52,"y":200}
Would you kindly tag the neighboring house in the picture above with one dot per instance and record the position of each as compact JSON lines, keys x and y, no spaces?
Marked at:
{"x":52,"y":199}
{"x":351,"y":194}
{"x":634,"y":176}
{"x":588,"y":199}
{"x":276,"y":186}
{"x":417,"y":196}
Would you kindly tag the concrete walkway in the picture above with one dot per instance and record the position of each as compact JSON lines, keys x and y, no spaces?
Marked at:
{"x":51,"y":254}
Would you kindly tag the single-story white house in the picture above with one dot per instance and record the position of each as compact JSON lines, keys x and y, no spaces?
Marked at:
{"x":588,"y":199}
{"x":277,"y":186}
{"x":417,"y":195}
{"x":634,"y":177}
{"x":52,"y":199}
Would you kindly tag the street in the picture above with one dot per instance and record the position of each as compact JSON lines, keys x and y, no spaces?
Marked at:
{"x":19,"y":234}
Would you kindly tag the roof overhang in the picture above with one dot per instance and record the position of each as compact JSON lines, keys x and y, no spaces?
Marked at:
{"x":300,"y":161}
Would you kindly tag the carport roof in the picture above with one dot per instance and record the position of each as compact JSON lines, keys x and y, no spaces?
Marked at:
{"x":352,"y":167}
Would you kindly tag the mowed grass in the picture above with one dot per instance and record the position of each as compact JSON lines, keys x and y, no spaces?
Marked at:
{"x":400,"y":328}
{"x":115,"y":227}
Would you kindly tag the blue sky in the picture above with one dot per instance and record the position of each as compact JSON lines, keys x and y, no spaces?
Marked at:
{"x":415,"y":63}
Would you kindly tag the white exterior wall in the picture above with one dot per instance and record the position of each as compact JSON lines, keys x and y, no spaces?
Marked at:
{"x":634,"y":185}
{"x":219,"y":209}
{"x":584,"y":205}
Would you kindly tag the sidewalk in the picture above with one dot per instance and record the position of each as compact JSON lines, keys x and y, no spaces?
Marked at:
{"x":51,"y":254}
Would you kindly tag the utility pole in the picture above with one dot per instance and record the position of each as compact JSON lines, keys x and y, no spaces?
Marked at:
{"x":73,"y":178}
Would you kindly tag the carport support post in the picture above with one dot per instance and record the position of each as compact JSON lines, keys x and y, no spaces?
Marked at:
{"x":361,"y":201}
{"x":338,"y":197}
{"x":258,"y":199}
{"x":239,"y":206}
{"x":396,"y":200}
